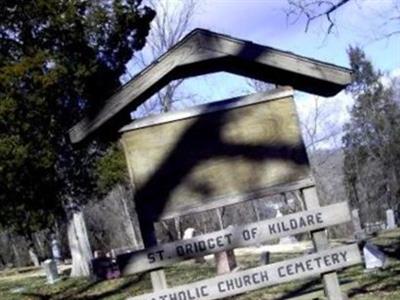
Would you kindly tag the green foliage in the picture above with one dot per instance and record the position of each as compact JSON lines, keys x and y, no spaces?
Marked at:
{"x":111,"y":169}
{"x":59,"y":59}
{"x":371,"y":141}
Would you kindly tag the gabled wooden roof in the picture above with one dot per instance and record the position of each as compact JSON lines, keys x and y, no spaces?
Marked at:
{"x":203,"y":52}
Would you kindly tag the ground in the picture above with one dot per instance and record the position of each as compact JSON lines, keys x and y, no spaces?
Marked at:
{"x":24,"y":283}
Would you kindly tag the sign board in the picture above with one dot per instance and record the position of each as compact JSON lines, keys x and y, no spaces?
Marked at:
{"x":203,"y":157}
{"x":259,"y":277}
{"x":233,"y":237}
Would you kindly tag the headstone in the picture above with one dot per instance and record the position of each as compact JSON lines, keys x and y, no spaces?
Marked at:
{"x":55,"y":250}
{"x":50,"y":269}
{"x":286,"y":239}
{"x":390,"y":220}
{"x":374,"y":258}
{"x":359,"y":233}
{"x":33,"y":256}
{"x":188,"y":234}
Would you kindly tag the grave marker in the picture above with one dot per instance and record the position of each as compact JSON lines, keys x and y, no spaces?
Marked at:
{"x":51,"y":271}
{"x":390,"y":220}
{"x":373,"y":257}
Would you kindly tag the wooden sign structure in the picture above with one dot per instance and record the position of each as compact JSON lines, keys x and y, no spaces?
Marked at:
{"x":220,"y":154}
{"x":217,"y":154}
{"x":244,"y":281}
{"x":233,"y":237}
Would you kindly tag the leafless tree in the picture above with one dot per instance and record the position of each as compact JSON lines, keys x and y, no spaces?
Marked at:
{"x":313,"y":10}
{"x":318,"y":127}
{"x":172,"y":22}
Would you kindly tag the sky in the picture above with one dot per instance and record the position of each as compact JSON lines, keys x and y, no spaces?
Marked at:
{"x":360,"y":22}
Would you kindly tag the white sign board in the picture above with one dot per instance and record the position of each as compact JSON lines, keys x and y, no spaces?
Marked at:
{"x":233,"y":237}
{"x":256,"y":278}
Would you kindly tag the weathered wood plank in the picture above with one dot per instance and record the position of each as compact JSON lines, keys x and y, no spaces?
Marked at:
{"x":215,"y":159}
{"x":233,"y":237}
{"x":256,"y":278}
{"x":203,"y":52}
{"x":321,"y":242}
{"x":198,"y":110}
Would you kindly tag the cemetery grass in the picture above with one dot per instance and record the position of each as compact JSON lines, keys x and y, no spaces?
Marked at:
{"x":382,"y":284}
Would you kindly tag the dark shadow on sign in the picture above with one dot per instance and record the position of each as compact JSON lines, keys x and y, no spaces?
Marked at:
{"x":190,"y":151}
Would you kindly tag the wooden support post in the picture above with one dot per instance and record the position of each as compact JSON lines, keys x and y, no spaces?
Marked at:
{"x":158,"y":279}
{"x":320,"y":241}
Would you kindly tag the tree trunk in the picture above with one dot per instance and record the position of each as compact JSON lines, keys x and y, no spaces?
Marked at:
{"x":78,"y":240}
{"x":130,"y":229}
{"x":177,"y":224}
{"x":17,"y":257}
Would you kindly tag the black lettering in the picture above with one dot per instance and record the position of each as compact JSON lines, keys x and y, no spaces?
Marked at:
{"x":180,"y":250}
{"x":247,"y":280}
{"x":327,"y":261}
{"x":335,"y":258}
{"x":293,"y":223}
{"x":228,"y":236}
{"x":220,"y":289}
{"x":190,"y":296}
{"x":280,"y":273}
{"x":284,"y":227}
{"x":271,"y":228}
{"x":310,"y":220}
{"x":254,"y":232}
{"x":182,"y":295}
{"x":318,"y":217}
{"x":230,"y":285}
{"x":160,"y":254}
{"x":238,"y":283}
{"x":219,"y":241}
{"x":309,"y":265}
{"x":163,"y":297}
{"x":151,"y":257}
{"x":264,"y":276}
{"x":211,"y":243}
{"x":289,"y":270}
{"x":255,"y":279}
{"x":299,"y":266}
{"x":318,"y":260}
{"x":203,"y":291}
{"x":302,"y":222}
{"x":173,"y":297}
{"x":344,"y":255}
{"x":202,"y":246}
{"x":189,"y":249}
{"x":246,"y":235}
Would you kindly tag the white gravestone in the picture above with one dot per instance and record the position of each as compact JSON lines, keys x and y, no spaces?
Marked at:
{"x":286,"y":239}
{"x":55,"y":250}
{"x":390,"y":221}
{"x":189,"y":234}
{"x":50,"y":269}
{"x":374,"y":258}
